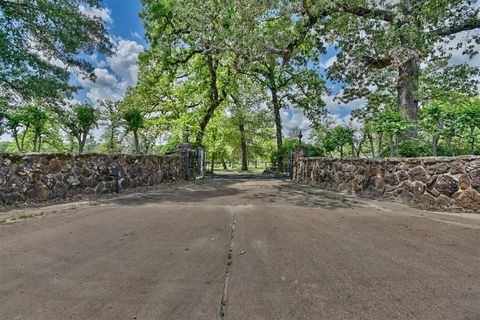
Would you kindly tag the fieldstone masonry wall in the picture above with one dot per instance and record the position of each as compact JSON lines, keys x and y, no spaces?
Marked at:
{"x":444,"y":181}
{"x":41,"y":177}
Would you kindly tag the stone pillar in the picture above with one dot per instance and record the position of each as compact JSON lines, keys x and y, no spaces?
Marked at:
{"x":185,"y":155}
{"x":298,"y":152}
{"x":202,"y":159}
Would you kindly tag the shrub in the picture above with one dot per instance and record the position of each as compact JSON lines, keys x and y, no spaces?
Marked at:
{"x":414,"y":148}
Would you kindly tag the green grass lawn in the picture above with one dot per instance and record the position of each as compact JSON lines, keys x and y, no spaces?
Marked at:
{"x":237,"y":169}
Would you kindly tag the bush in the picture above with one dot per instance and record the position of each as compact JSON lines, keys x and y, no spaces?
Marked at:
{"x":445,"y":151}
{"x":288,"y":146}
{"x":314,"y":151}
{"x":4,"y":145}
{"x":414,"y":148}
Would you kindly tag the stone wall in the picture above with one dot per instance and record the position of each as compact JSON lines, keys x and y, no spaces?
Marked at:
{"x":449,"y":182}
{"x":41,"y":177}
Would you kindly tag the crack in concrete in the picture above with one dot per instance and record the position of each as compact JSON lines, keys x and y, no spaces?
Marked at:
{"x":223,"y":301}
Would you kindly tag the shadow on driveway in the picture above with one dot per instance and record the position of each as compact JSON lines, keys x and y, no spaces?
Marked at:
{"x":243,"y":189}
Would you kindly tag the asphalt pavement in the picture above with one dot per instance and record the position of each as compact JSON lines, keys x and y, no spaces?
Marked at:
{"x":238,"y":248}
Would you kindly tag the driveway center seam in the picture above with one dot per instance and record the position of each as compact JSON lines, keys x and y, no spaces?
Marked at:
{"x":223,"y":301}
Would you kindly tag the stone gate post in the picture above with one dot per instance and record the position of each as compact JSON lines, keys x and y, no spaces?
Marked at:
{"x":184,"y":153}
{"x":201,"y":161}
{"x":298,"y":152}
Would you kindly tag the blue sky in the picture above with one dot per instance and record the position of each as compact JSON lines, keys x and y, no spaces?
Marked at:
{"x":126,"y":28}
{"x":119,"y":71}
{"x":116,"y":73}
{"x":126,"y":21}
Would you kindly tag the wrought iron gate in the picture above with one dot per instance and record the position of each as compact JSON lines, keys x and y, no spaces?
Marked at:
{"x":193,"y":162}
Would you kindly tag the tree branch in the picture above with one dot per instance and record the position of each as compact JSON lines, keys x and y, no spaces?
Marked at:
{"x":17,"y":4}
{"x":377,"y":63}
{"x":312,"y":19}
{"x":469,"y":25}
{"x":305,"y":29}
{"x":379,"y":14}
{"x":185,"y":59}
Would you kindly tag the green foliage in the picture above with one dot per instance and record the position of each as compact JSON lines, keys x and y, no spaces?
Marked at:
{"x":337,"y":138}
{"x":315,"y":151}
{"x":289,"y":146}
{"x":469,"y":119}
{"x":225,"y":70}
{"x":37,"y":120}
{"x":133,"y":120}
{"x":439,"y":79}
{"x":29,"y":126}
{"x":40,"y":40}
{"x":452,"y":116}
{"x":390,"y":121}
{"x":284,"y":152}
{"x":79,"y":121}
{"x":413,"y":148}
{"x":4,"y":145}
{"x":111,"y":118}
{"x":383,"y":46}
{"x":85,"y":116}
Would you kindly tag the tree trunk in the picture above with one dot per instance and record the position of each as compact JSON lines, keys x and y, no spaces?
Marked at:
{"x":449,"y":142}
{"x":390,"y":144}
{"x":224,"y":164}
{"x":341,"y":152}
{"x":360,"y":145}
{"x":278,"y":132}
{"x":372,"y":148}
{"x":397,"y":139}
{"x":380,"y":144}
{"x":81,"y":146}
{"x":15,"y":136}
{"x":81,"y":142}
{"x":213,"y":161}
{"x":214,"y":97}
{"x":407,"y":87}
{"x":276,"y":114}
{"x":22,"y":144}
{"x":35,"y":139}
{"x":137,"y":143}
{"x":112,"y":137}
{"x":243,"y":142}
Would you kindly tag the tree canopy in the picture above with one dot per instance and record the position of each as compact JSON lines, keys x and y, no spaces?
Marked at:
{"x":231,"y":72}
{"x":41,"y":42}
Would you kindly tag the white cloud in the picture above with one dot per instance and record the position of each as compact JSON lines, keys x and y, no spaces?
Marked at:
{"x":93,"y":12}
{"x":338,"y":113}
{"x":293,"y":117}
{"x":103,"y":78}
{"x":329,"y":62}
{"x":339,"y":120}
{"x":457,"y":56}
{"x":335,"y":107}
{"x":105,"y":87}
{"x":125,"y":60}
{"x":137,"y":35}
{"x":113,"y":74}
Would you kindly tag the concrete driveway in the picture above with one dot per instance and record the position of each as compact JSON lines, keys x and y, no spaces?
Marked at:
{"x":232,"y":248}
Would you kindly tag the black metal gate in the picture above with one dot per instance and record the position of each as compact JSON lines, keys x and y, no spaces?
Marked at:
{"x":193,"y":162}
